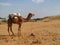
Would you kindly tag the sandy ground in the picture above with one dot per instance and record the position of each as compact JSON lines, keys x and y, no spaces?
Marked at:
{"x":32,"y":33}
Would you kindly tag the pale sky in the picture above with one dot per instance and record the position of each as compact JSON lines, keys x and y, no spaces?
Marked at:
{"x":41,"y":8}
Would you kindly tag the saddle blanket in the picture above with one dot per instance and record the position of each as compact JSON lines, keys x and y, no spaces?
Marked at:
{"x":15,"y":17}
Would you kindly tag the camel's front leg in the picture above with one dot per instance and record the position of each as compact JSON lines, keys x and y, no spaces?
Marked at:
{"x":19,"y":30}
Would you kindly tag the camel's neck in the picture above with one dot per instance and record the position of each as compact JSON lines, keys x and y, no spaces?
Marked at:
{"x":28,"y":17}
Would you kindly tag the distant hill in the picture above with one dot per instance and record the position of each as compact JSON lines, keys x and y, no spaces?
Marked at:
{"x":48,"y":18}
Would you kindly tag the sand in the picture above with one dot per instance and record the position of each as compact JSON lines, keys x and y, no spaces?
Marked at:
{"x":32,"y":33}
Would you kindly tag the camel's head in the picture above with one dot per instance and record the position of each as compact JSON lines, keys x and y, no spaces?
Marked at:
{"x":31,"y":14}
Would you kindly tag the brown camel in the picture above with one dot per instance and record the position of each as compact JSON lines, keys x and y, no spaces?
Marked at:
{"x":17,"y":20}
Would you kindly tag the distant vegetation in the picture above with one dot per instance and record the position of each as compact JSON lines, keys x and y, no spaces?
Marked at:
{"x":2,"y":19}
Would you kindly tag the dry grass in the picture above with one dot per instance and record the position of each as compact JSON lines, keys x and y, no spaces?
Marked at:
{"x":33,"y":33}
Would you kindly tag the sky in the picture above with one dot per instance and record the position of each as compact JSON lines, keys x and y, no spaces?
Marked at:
{"x":41,"y":8}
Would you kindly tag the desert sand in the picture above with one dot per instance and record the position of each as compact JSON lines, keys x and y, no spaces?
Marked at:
{"x":32,"y":33}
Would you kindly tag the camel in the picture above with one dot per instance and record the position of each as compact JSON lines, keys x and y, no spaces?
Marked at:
{"x":17,"y":20}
